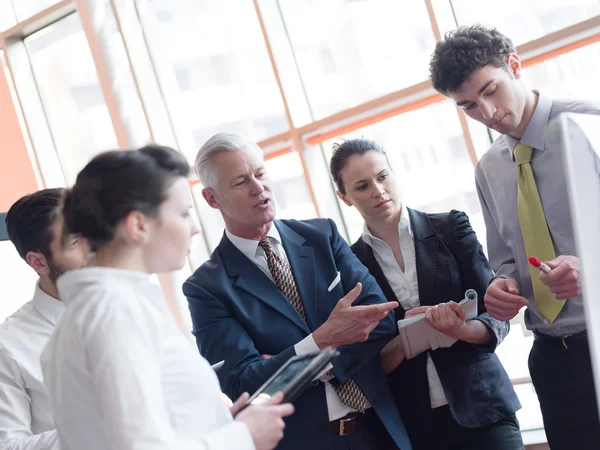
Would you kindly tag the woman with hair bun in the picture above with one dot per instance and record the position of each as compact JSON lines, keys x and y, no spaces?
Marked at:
{"x":458,"y":397}
{"x":120,"y":375}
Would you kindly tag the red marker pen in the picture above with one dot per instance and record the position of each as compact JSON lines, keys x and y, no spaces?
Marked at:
{"x":539,"y":264}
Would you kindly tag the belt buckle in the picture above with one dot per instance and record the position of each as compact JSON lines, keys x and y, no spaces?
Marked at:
{"x":343,"y":425}
{"x":564,"y":342}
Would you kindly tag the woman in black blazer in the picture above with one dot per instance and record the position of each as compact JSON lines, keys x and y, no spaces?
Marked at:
{"x":451,"y":398}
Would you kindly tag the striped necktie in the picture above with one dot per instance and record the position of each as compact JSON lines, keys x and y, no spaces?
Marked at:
{"x":349,"y":392}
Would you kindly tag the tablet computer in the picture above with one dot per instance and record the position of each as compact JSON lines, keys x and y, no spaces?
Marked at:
{"x":293,"y":377}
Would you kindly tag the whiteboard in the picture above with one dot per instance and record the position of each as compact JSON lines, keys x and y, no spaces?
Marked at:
{"x":580,"y":137}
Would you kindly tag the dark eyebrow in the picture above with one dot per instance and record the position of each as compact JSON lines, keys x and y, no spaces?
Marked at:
{"x":483,"y":88}
{"x":364,"y":181}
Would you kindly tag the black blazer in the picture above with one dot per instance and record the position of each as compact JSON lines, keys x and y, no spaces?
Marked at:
{"x":449,"y":261}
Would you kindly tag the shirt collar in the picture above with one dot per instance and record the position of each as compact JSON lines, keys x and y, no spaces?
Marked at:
{"x":403,"y":228}
{"x":250,"y":247}
{"x":48,"y":306}
{"x":535,"y":132}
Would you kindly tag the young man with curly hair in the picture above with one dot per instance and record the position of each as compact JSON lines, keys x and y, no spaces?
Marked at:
{"x":522,"y":189}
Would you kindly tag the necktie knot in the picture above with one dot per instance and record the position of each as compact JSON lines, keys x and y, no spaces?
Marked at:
{"x":523,"y":153}
{"x":266,"y":245}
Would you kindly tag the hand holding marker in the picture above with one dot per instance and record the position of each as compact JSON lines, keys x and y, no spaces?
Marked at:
{"x":539,"y":264}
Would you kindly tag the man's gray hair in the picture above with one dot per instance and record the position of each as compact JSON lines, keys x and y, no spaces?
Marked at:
{"x":221,"y":142}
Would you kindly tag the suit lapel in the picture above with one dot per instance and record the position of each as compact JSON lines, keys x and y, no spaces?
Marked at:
{"x":249,"y":278}
{"x":365,"y":254}
{"x":426,"y":254}
{"x":302,"y":261}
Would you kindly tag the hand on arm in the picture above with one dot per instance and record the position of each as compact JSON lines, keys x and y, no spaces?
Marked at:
{"x":449,"y":319}
{"x":416,"y":311}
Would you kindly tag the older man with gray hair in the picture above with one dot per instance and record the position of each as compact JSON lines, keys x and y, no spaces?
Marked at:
{"x":283,"y":288}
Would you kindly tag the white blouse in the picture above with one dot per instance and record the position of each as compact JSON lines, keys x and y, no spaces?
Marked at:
{"x":405,"y":286}
{"x":121,"y":376}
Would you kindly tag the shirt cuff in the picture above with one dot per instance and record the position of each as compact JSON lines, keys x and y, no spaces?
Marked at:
{"x":308,"y":345}
{"x":503,"y":276}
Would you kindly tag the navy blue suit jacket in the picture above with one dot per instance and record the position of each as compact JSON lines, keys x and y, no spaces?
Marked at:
{"x":449,"y":261}
{"x":238,"y":314}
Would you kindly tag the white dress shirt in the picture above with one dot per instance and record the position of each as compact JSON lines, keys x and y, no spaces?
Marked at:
{"x":25,"y":415}
{"x":121,"y":376}
{"x":406,"y":286}
{"x":257,"y":255}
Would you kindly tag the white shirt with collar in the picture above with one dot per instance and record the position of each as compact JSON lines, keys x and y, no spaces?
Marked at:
{"x":405,"y":286}
{"x":25,"y":415}
{"x":120,"y":374}
{"x":257,"y":255}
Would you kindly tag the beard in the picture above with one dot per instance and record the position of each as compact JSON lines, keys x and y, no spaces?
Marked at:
{"x":56,"y":270}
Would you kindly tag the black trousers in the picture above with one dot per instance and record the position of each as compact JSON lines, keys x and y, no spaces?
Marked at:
{"x":449,"y":435}
{"x":564,"y":384}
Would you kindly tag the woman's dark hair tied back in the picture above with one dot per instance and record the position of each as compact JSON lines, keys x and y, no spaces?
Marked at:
{"x":344,"y":151}
{"x":115,"y":183}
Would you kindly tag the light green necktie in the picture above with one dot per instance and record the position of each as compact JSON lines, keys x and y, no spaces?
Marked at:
{"x":534,"y":228}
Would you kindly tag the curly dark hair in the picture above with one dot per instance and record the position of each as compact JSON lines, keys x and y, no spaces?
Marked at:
{"x":465,"y":50}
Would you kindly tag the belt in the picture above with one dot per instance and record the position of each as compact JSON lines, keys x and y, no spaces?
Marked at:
{"x":349,"y":424}
{"x":568,"y":342}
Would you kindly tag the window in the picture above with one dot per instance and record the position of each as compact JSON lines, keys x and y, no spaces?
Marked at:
{"x":357,"y":51}
{"x":213,"y":68}
{"x":572,"y":75}
{"x":212,"y":228}
{"x":205,"y":71}
{"x":66,"y":78}
{"x":289,"y":187}
{"x":7,"y":15}
{"x":430,"y":161}
{"x":27,"y":8}
{"x":525,"y":20}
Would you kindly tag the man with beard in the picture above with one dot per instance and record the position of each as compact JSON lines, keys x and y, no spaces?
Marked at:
{"x":35,"y":226}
